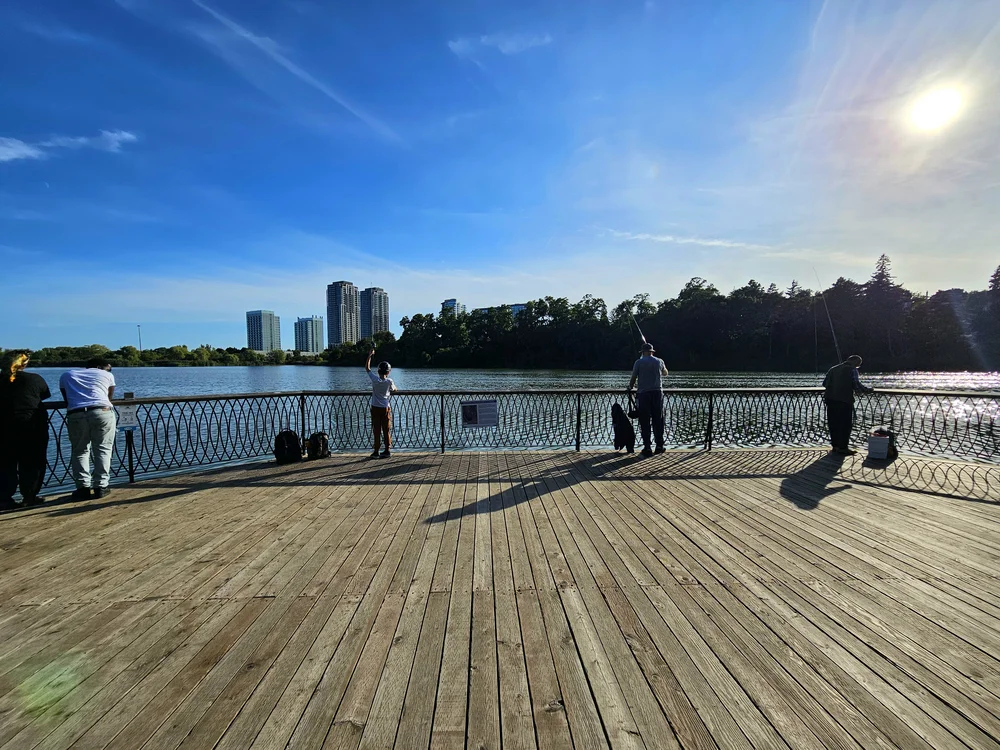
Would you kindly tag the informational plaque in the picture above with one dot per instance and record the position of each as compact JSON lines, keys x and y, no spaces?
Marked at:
{"x":477,"y":414}
{"x":128,"y":420}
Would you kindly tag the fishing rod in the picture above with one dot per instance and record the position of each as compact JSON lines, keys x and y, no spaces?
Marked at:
{"x":827,"y":307}
{"x":634,"y":321}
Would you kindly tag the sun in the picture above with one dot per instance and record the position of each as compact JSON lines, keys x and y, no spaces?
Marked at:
{"x":936,"y":109}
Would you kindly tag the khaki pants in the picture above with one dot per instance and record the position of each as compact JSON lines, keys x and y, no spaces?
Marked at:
{"x":381,"y":426}
{"x":92,"y":431}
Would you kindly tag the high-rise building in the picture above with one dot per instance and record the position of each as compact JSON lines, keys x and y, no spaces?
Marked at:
{"x":452,"y":306}
{"x":263,"y":331}
{"x":309,"y":334}
{"x":342,"y":313}
{"x":374,"y":304}
{"x":516,"y":309}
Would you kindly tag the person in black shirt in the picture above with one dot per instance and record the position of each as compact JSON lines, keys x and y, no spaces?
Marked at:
{"x":24,"y":431}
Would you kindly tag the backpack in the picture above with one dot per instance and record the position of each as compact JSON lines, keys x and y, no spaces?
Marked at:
{"x":318,"y":445}
{"x":286,"y":447}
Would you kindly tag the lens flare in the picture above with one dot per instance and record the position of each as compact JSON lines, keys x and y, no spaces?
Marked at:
{"x":936,"y":109}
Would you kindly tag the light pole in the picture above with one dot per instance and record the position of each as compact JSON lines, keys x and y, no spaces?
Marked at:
{"x":138,"y":328}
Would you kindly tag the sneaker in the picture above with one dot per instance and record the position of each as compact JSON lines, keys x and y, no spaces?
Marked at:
{"x":36,"y":500}
{"x":81,"y":493}
{"x":102,"y":492}
{"x":646,"y":453}
{"x":8,"y":503}
{"x":660,"y":449}
{"x":384,"y":454}
{"x":374,"y":454}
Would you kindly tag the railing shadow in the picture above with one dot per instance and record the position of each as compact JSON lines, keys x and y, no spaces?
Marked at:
{"x":806,"y":475}
{"x":804,"y":468}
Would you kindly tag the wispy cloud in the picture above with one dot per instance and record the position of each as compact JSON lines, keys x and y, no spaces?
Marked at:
{"x":507,"y":44}
{"x":269,"y":48}
{"x":62,"y":34}
{"x":12,"y":149}
{"x":108,"y":140}
{"x":670,"y":239}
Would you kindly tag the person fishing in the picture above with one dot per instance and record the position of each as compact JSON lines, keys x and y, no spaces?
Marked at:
{"x":24,"y":431}
{"x":648,"y":371}
{"x":382,"y":390}
{"x":841,"y":383}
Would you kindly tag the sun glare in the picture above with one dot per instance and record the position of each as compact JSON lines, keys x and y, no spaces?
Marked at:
{"x":936,"y":109}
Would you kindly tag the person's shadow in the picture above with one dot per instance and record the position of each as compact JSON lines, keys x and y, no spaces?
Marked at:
{"x":808,"y":486}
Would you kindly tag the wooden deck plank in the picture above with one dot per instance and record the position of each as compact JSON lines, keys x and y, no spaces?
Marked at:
{"x":890,"y":686}
{"x":451,"y":710}
{"x":550,"y":599}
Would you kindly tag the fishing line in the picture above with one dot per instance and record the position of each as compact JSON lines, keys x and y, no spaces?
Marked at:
{"x":827,"y":307}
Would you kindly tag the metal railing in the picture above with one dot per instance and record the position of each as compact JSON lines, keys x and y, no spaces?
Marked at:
{"x":183,"y":433}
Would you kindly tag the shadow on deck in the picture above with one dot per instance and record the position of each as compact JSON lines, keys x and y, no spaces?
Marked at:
{"x":779,"y":599}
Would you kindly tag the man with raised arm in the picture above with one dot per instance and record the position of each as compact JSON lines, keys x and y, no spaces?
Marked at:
{"x":382,"y":390}
{"x":841,"y":383}
{"x":648,"y":372}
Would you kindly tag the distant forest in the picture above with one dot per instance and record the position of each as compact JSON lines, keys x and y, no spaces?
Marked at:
{"x":753,"y":328}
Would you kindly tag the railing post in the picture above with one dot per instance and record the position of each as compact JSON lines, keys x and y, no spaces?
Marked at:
{"x":302,"y":417}
{"x":130,"y":452}
{"x":579,"y":413}
{"x":442,"y":423}
{"x":711,"y":421}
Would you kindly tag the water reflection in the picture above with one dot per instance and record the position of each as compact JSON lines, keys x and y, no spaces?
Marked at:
{"x":152,"y":382}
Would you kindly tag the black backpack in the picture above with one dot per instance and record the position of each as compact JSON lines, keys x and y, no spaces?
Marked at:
{"x":318,"y":445}
{"x":286,"y":447}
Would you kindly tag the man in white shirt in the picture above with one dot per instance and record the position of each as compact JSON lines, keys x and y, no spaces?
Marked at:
{"x":91,"y":423}
{"x":382,"y":390}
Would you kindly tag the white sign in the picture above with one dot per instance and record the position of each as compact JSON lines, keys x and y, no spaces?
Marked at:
{"x":128,"y":420}
{"x":479,"y":414}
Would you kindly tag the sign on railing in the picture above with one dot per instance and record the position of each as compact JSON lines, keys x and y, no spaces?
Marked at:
{"x":181,"y":433}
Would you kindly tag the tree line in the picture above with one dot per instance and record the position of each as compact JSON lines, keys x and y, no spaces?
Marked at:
{"x":172,"y":356}
{"x":753,"y":328}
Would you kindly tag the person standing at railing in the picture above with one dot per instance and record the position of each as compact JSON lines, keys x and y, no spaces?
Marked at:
{"x":841,"y":383}
{"x":24,"y":431}
{"x":91,"y":423}
{"x":648,"y":372}
{"x":382,"y":390}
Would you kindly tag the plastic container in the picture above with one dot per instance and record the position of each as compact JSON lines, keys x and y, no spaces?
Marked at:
{"x":878,"y":447}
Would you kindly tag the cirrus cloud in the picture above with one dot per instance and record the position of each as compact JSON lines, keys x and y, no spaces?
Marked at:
{"x":506,"y":44}
{"x":13,"y":149}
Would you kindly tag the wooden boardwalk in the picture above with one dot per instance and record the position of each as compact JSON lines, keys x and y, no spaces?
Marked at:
{"x":535,"y":599}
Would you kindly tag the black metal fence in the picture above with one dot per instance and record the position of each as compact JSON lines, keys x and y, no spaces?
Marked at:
{"x":181,"y":433}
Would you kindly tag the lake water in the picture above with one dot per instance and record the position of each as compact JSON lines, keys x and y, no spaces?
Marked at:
{"x":153,"y":382}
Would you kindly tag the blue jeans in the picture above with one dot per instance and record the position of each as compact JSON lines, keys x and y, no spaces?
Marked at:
{"x":92,"y":429}
{"x":649,"y":404}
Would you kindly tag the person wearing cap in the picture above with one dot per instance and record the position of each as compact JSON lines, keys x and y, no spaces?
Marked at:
{"x":648,"y":372}
{"x":382,"y":390}
{"x":91,"y":423}
{"x":839,"y":386}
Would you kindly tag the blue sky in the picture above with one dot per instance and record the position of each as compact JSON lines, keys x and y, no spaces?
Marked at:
{"x":177,"y":162}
